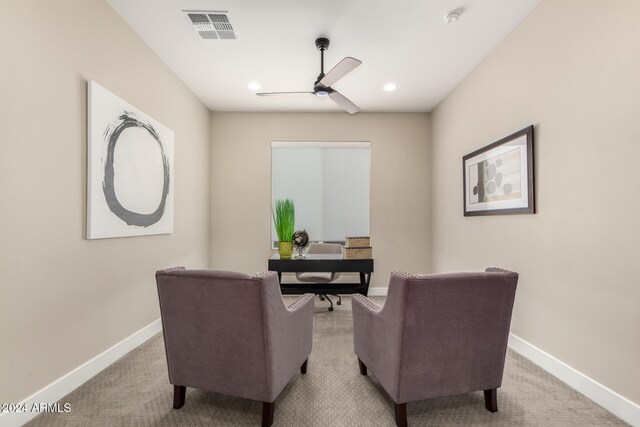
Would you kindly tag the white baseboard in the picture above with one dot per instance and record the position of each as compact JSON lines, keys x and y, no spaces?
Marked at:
{"x":377,"y":292}
{"x":603,"y":396}
{"x":74,"y":379}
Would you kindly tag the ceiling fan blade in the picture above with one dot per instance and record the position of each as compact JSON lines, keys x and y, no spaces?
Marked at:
{"x":342,"y":101}
{"x":343,"y":68}
{"x":282,"y":93}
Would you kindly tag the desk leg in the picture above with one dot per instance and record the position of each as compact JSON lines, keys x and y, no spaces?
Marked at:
{"x":365,"y":278}
{"x":279,"y":277}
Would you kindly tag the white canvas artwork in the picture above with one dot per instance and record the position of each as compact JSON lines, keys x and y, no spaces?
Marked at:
{"x":129,"y":171}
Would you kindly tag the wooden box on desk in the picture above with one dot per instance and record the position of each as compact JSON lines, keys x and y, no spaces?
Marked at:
{"x":357,"y":242}
{"x":364,"y":252}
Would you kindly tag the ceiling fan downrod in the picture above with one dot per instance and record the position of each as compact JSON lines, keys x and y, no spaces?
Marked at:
{"x":322,"y":44}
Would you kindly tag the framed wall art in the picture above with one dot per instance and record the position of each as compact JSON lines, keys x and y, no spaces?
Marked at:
{"x":498,"y":179}
{"x":129,"y":170}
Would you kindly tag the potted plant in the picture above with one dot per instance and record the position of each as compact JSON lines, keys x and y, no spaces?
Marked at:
{"x":284,"y":219}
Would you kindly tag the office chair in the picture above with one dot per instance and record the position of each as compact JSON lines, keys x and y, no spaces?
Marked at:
{"x":323,"y":248}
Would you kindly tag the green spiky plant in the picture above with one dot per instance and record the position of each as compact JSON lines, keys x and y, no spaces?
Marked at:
{"x":284,"y":218}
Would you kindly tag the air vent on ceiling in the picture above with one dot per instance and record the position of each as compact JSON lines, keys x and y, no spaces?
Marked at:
{"x":211,"y":25}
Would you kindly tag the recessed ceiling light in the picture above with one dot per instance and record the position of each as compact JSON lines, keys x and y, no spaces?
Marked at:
{"x":453,"y":16}
{"x":254,"y":86}
{"x":389,"y":87}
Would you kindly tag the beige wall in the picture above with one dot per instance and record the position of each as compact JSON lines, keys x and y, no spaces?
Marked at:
{"x":572,"y":69}
{"x":241,"y":184}
{"x":63,"y":299}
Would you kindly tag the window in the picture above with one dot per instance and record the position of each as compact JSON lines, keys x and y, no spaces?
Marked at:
{"x":329,"y":184}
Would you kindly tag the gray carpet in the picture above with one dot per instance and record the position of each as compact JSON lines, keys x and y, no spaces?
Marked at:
{"x":135,"y":391}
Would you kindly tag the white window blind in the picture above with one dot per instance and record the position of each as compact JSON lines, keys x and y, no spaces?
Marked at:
{"x":329,"y":183}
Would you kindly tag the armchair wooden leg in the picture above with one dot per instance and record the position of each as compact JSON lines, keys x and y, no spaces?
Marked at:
{"x":303,"y":368}
{"x":401,"y":414}
{"x":179,"y":393}
{"x":267,"y":414}
{"x":363,"y":367}
{"x":491,"y":400}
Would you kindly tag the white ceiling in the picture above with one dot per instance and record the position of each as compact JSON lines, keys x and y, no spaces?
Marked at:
{"x":406,"y":42}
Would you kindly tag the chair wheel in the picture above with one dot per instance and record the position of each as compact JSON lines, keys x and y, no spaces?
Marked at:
{"x":330,"y":308}
{"x":339,"y":302}
{"x":322,"y":298}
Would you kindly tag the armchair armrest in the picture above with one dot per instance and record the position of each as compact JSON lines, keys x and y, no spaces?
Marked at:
{"x":295,"y":329}
{"x":368,"y":330}
{"x":366,"y":303}
{"x":300,"y":302}
{"x":289,"y":332}
{"x":377,"y":334}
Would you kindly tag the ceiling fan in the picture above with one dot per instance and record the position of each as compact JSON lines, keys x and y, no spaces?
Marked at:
{"x":322,"y":86}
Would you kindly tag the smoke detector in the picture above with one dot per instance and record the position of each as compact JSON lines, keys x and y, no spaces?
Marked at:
{"x":211,"y":25}
{"x":453,"y":16}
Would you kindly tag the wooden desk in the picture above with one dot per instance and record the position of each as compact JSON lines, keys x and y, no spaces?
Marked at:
{"x":323,"y":263}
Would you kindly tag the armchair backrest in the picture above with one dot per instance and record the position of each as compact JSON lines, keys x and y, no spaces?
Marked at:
{"x":215,"y":332}
{"x":455,"y":329}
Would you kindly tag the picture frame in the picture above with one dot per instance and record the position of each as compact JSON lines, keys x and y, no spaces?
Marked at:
{"x":130,"y":159}
{"x":498,"y":179}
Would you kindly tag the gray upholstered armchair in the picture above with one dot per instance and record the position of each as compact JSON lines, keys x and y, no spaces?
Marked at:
{"x":436,"y":335}
{"x":231,"y":333}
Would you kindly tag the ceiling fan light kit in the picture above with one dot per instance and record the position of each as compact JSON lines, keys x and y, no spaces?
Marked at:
{"x":322,"y":85}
